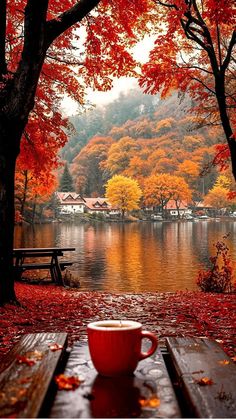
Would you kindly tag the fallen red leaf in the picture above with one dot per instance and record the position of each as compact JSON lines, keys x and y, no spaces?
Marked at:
{"x":55,"y":347}
{"x":65,"y":382}
{"x":223,"y":362}
{"x":152,"y":401}
{"x":205,"y":381}
{"x":25,"y":360}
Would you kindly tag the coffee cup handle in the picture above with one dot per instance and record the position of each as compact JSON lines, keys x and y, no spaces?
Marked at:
{"x":153,"y":339}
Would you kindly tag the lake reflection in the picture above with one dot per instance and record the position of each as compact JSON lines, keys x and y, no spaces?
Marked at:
{"x":133,"y":257}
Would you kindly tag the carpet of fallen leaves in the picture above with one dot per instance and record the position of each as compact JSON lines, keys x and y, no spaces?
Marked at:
{"x":47,"y":308}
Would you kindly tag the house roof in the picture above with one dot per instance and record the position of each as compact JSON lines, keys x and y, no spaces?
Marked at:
{"x":171,"y":205}
{"x":98,"y":204}
{"x":70,"y":198}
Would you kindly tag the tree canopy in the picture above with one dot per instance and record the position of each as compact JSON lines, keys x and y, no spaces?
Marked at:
{"x":123,"y":193}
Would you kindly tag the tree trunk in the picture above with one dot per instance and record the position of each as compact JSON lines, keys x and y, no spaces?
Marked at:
{"x":23,"y":201}
{"x":221,"y":99}
{"x":9,"y":148}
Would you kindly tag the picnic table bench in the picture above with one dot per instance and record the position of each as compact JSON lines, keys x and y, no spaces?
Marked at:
{"x":25,"y":259}
{"x":169,"y":384}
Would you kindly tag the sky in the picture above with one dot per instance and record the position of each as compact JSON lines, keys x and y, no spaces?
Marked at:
{"x":123,"y":84}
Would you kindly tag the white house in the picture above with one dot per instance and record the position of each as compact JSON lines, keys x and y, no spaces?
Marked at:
{"x":183,"y":210}
{"x":97,"y":205}
{"x":72,"y":203}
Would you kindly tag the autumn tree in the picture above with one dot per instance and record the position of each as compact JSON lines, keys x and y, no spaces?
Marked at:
{"x":123,"y":193}
{"x":158,"y":190}
{"x":88,"y":167}
{"x":38,"y":39}
{"x":182,"y":192}
{"x":194,"y":52}
{"x":66,"y":181}
{"x":120,"y":154}
{"x":218,"y":195}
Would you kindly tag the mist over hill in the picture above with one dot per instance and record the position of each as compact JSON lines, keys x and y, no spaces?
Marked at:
{"x":163,"y":132}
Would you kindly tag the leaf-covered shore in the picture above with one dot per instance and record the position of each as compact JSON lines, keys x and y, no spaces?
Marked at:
{"x":50,"y":308}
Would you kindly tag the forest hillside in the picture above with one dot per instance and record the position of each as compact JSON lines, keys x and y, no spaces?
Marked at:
{"x":140,"y":135}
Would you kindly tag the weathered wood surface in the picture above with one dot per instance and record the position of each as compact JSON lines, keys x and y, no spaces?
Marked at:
{"x":23,"y":387}
{"x":25,"y":250}
{"x":116,"y":397}
{"x":41,"y":265}
{"x":194,"y":359}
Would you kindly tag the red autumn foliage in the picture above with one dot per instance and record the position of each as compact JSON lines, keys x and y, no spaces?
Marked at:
{"x":25,"y":360}
{"x":48,"y":308}
{"x":205,"y":381}
{"x":219,"y":278}
{"x":65,"y":382}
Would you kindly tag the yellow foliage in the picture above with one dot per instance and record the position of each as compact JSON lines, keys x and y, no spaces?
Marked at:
{"x":123,"y":192}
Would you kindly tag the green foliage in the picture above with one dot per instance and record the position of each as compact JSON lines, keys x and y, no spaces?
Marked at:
{"x":66,"y":182}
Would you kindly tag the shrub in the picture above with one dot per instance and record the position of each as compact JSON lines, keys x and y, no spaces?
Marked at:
{"x":219,"y":278}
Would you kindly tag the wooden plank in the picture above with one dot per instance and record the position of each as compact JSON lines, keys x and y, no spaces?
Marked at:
{"x":24,"y":250}
{"x":194,"y":359}
{"x":23,"y":387}
{"x":109,"y":397}
{"x":32,"y":266}
{"x":25,"y":255}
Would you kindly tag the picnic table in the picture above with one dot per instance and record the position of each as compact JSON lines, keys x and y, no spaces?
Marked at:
{"x":31,"y":259}
{"x":189,"y":377}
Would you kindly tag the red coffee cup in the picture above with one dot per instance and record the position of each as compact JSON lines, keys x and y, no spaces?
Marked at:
{"x":115,"y":346}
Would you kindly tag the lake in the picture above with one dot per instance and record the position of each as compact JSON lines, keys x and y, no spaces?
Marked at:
{"x":133,"y":257}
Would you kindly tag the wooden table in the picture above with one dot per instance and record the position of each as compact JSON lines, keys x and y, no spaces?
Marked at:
{"x":52,"y":254}
{"x":121,"y":397}
{"x":166,"y":385}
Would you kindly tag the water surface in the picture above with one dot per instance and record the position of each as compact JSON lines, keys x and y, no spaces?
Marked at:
{"x":133,"y":257}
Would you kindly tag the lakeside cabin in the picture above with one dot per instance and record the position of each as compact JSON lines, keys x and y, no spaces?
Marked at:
{"x":74,"y":203}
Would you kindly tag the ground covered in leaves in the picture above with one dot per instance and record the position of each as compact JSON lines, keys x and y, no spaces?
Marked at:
{"x":47,"y":308}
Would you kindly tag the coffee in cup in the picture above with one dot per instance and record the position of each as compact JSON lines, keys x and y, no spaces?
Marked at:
{"x":115,"y":346}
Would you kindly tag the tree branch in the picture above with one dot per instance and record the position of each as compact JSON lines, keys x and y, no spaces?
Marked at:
{"x":64,"y":61}
{"x":203,"y":84}
{"x":230,"y":49}
{"x":173,"y":6}
{"x":75,"y":14}
{"x":3,"y":16}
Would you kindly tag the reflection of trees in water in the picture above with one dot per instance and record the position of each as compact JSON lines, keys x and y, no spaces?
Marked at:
{"x":133,"y":257}
{"x":38,"y":235}
{"x":207,"y":233}
{"x":94,"y":269}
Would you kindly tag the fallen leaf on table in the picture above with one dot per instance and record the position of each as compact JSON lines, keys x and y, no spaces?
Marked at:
{"x":205,"y":381}
{"x":65,"y":382}
{"x":223,"y":362}
{"x":55,"y":347}
{"x":36,"y":355}
{"x":153,"y":401}
{"x":25,"y":360}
